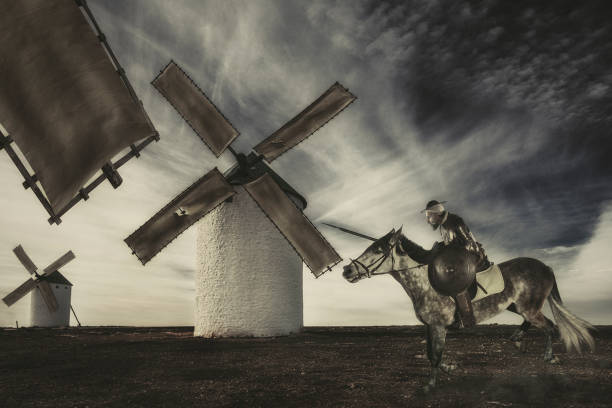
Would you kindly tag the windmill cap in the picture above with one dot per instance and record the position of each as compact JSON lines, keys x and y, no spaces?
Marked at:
{"x":258,"y":168}
{"x":56,"y":277}
{"x":432,"y":204}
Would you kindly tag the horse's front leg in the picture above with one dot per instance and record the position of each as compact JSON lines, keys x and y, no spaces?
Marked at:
{"x":436,"y":338}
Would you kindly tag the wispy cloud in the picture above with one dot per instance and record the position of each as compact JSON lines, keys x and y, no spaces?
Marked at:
{"x":500,"y":109}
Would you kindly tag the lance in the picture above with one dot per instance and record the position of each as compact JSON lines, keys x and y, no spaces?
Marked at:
{"x":348,"y":231}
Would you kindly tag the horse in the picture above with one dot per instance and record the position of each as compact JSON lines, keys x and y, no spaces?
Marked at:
{"x":528,"y":282}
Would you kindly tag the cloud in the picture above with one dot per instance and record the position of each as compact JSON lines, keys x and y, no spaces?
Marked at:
{"x":589,"y":276}
{"x":500,"y":109}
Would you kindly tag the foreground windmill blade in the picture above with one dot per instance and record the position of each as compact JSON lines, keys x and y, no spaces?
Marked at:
{"x":195,"y":107}
{"x":20,"y":292}
{"x":25,"y":259}
{"x":64,"y":103}
{"x":178,"y":215}
{"x":311,"y":119}
{"x":47,"y":294}
{"x":308,"y":242}
{"x":61,"y":261}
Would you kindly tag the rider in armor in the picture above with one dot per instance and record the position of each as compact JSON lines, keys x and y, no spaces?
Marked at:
{"x":454,"y":231}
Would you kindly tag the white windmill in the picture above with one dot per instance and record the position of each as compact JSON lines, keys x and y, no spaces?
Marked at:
{"x":249,"y":279}
{"x":50,"y":304}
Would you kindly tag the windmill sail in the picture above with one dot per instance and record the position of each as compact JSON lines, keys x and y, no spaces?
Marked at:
{"x":61,"y":98}
{"x":25,"y":288}
{"x":178,"y":215}
{"x":61,"y":261}
{"x":25,"y":259}
{"x":308,"y":242}
{"x":197,"y":110}
{"x":47,"y":294}
{"x":311,"y":119}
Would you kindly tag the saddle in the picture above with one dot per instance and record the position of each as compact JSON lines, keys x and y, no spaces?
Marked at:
{"x":488,"y":282}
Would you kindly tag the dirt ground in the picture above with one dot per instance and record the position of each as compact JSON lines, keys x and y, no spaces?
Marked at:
{"x":320,"y":367}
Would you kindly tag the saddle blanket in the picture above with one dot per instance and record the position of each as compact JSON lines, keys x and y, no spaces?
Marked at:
{"x":491,"y":279}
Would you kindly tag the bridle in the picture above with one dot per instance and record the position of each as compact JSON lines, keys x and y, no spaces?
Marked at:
{"x":378,"y":263}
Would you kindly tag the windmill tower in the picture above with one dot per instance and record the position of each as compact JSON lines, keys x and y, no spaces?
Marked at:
{"x":40,"y":315}
{"x":50,"y":304}
{"x":249,"y":279}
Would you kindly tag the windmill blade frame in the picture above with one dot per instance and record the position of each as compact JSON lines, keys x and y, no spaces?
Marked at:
{"x":200,"y":113}
{"x":39,"y":281}
{"x":53,"y":26}
{"x":174,"y":218}
{"x":61,"y":261}
{"x":25,"y":260}
{"x":218,"y":133}
{"x":297,"y":229}
{"x":327,"y":106}
{"x":23,"y":289}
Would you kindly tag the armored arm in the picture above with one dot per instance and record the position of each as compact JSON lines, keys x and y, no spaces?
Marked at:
{"x":415,"y":251}
{"x":470,"y":243}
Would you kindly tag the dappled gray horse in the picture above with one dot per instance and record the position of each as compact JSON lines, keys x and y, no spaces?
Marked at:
{"x":528,"y":283}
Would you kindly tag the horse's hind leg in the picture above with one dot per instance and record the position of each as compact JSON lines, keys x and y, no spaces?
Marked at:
{"x":539,"y":320}
{"x":436,"y":339}
{"x":517,"y":336}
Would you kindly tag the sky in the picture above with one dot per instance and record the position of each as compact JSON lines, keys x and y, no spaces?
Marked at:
{"x":500,"y":108}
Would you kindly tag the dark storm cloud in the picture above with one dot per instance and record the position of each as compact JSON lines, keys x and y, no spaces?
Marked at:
{"x":513,"y":72}
{"x":501,"y":108}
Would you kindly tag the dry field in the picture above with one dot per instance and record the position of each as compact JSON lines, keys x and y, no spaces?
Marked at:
{"x":320,"y":367}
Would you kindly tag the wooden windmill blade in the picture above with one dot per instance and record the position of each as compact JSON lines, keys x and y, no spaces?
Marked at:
{"x":308,"y":242}
{"x":218,"y":133}
{"x":61,"y":261}
{"x":195,"y":108}
{"x":45,"y":289}
{"x":178,"y":215}
{"x":25,"y":259}
{"x":311,"y":119}
{"x":64,"y":99}
{"x":47,"y":294}
{"x":20,"y":292}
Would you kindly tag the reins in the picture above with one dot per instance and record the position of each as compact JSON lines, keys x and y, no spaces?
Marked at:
{"x":369,"y":273}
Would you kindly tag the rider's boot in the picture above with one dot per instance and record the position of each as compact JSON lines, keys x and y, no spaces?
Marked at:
{"x":466,"y":312}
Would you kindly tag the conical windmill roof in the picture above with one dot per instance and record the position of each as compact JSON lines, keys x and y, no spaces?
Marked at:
{"x":56,"y":277}
{"x":258,"y":168}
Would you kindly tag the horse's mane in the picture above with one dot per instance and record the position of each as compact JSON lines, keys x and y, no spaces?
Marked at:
{"x":413,"y":250}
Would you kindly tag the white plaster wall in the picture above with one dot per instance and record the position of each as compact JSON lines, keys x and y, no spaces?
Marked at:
{"x":39,"y":313}
{"x":248,"y":277}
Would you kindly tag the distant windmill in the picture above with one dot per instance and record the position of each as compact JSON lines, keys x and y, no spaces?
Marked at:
{"x":243,"y":284}
{"x":65,"y":101}
{"x":50,"y":305}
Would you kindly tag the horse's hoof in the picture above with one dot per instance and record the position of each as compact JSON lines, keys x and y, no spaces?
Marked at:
{"x":448,"y":368}
{"x":521,"y":346}
{"x":553,"y":360}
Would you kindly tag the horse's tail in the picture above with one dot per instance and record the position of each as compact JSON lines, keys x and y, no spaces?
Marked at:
{"x":573,"y":330}
{"x":555,"y":292}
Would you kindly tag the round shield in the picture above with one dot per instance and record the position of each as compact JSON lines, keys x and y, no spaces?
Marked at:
{"x":452,"y":270}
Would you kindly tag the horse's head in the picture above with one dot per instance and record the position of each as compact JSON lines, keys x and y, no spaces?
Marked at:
{"x":377,"y":259}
